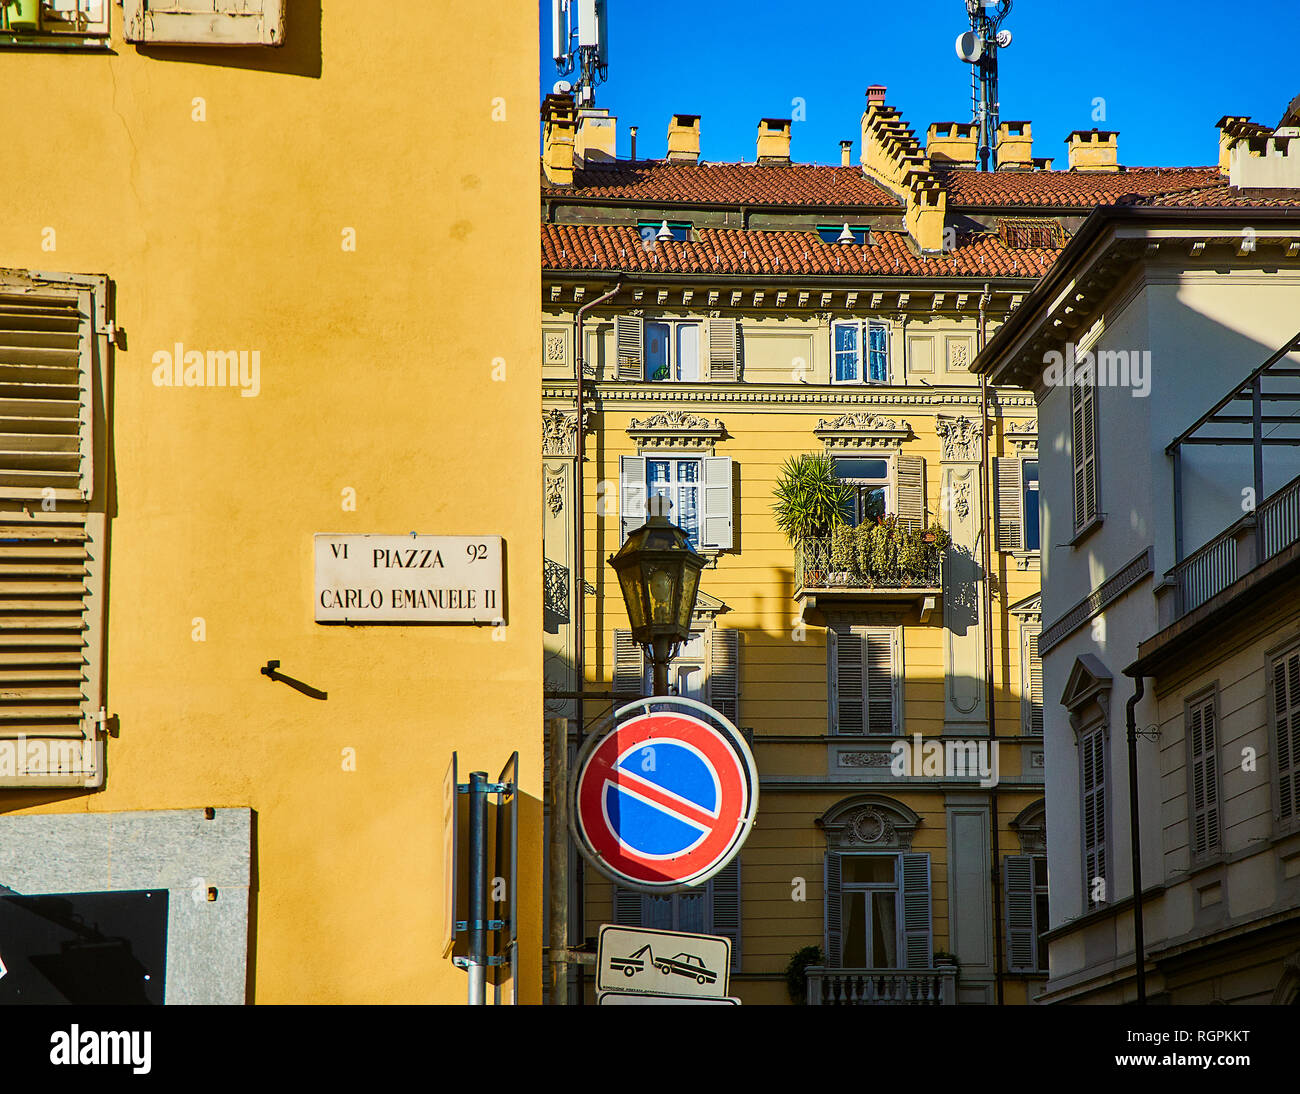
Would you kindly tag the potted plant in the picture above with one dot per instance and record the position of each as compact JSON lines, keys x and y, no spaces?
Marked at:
{"x":22,"y":16}
{"x":944,"y":959}
{"x":809,"y":506}
{"x":796,"y":973}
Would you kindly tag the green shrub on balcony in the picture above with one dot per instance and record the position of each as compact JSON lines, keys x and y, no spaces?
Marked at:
{"x":887,"y":554}
{"x":810,"y":500}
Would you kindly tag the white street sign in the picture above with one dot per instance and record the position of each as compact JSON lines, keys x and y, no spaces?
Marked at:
{"x":409,"y":579}
{"x":629,"y":999}
{"x":641,"y":961}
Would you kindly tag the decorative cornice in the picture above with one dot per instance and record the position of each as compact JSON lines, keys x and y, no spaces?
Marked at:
{"x":1022,"y":436}
{"x":780,"y":396}
{"x":869,"y":820}
{"x":560,"y":431}
{"x":861,"y":429}
{"x":961,"y":437}
{"x":676,"y":429}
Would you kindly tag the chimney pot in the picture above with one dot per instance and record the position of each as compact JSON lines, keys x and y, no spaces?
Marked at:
{"x":846,"y":153}
{"x":684,"y":138}
{"x":1093,"y":150}
{"x":773,"y":141}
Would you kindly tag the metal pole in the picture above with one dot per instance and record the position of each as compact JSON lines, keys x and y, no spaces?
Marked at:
{"x":661,"y":677}
{"x":1257,"y":435}
{"x":559,"y":803}
{"x":1139,"y":948}
{"x":477,"y":966}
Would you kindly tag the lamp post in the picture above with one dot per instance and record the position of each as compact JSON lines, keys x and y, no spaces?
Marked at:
{"x":659,"y":574}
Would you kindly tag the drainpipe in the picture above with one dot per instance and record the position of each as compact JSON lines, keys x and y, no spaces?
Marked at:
{"x":986,"y":561}
{"x":1139,"y":948}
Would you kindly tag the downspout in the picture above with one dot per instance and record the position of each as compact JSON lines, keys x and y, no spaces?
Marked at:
{"x":986,"y":562}
{"x":1139,"y":948}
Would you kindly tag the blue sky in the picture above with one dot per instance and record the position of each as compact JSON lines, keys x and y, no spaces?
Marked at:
{"x":1167,"y":70}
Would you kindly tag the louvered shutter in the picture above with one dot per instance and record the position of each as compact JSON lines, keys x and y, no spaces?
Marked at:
{"x":917,"y":948}
{"x":74,"y":17}
{"x":1022,"y":945}
{"x":627,"y":907}
{"x":724,"y":349}
{"x":1286,"y":712}
{"x":724,"y":672}
{"x":879,"y":671}
{"x":632,"y":495}
{"x":1032,"y":685}
{"x":1083,"y":411}
{"x":1204,"y":836}
{"x":1094,"y":808}
{"x":911,"y":491}
{"x":629,"y":666}
{"x":718,"y":507}
{"x":725,"y":893}
{"x":832,"y":913}
{"x":630,"y":338}
{"x":1008,"y":491}
{"x":204,"y":22}
{"x":846,"y":665}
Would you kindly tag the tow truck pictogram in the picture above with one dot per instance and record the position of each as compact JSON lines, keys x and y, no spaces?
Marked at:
{"x":683,"y":964}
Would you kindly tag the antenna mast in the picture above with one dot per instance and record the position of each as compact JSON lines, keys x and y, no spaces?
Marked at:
{"x":979,"y":47}
{"x":580,"y":43}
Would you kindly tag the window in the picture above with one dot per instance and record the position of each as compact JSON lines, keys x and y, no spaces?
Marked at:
{"x":55,"y":20}
{"x":672,"y":351}
{"x":1026,"y":888}
{"x":698,"y":487}
{"x":1016,"y":499}
{"x":1031,"y":682}
{"x":873,"y":488}
{"x":204,"y":22}
{"x":1203,"y":775}
{"x":1092,"y":747}
{"x":1083,"y":417}
{"x":861,"y":350}
{"x":831,"y":233}
{"x":864,"y":667}
{"x":651,"y":230}
{"x":707,"y":669}
{"x":1286,"y":737}
{"x":713,"y":908}
{"x":877,"y":911}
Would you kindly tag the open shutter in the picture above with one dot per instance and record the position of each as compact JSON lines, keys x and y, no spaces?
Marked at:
{"x":74,"y":17}
{"x":1008,"y":491}
{"x":879,"y":670}
{"x":725,"y":888}
{"x":846,"y":666}
{"x":724,"y":672}
{"x":1286,"y":715}
{"x":1022,"y":946}
{"x":630,"y":338}
{"x":205,"y":22}
{"x":716,"y":521}
{"x":832,"y":912}
{"x":627,"y":907}
{"x":629,"y":666}
{"x":917,"y":947}
{"x":631,"y":495}
{"x":911,"y":491}
{"x":724,"y":349}
{"x":1031,"y":685}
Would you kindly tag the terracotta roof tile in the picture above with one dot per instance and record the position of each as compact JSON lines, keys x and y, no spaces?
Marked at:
{"x":1069,"y":189}
{"x":1224,"y":196}
{"x":733,"y":251}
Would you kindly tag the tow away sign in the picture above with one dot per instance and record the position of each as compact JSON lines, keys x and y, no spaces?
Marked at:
{"x":639,"y":961}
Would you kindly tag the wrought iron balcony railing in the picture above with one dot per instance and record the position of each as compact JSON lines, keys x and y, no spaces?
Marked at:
{"x":816,"y":567}
{"x":882,"y":987}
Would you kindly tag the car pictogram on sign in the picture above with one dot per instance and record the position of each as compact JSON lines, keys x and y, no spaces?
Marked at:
{"x":683,"y":964}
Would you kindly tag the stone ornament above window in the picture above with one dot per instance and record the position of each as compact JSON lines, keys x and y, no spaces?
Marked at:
{"x":869,"y":822}
{"x":560,"y":431}
{"x":676,"y":429}
{"x":861,"y":430}
{"x":555,"y":348}
{"x":1022,"y":437}
{"x":961,"y":438}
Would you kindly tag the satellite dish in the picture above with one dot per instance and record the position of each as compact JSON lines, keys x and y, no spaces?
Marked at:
{"x":969,"y":47}
{"x":562,"y":87}
{"x":1004,"y":38}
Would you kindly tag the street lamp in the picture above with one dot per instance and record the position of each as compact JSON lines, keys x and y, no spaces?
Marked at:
{"x":659,"y":575}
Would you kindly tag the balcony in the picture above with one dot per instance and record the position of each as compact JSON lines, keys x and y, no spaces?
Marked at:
{"x":882,"y":987}
{"x":823,"y":576}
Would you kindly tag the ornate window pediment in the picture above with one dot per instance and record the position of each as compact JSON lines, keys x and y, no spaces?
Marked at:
{"x":707,"y":608}
{"x":868,"y":822}
{"x":1029,"y":610}
{"x":1030,"y":827}
{"x":1087,"y":692}
{"x":861,"y":429}
{"x":1022,"y":437}
{"x":676,"y":429}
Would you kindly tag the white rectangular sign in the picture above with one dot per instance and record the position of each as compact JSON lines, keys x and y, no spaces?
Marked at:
{"x":409,"y":579}
{"x":642,"y":961}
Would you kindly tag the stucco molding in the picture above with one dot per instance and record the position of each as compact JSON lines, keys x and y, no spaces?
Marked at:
{"x":560,"y":431}
{"x":676,"y":429}
{"x":869,"y":821}
{"x":960,"y":438}
{"x":862,"y":429}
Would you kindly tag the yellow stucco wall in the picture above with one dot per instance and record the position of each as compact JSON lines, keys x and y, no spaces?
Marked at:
{"x":376,"y":375}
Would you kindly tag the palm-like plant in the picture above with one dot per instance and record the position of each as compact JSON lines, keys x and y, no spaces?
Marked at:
{"x":810,"y":500}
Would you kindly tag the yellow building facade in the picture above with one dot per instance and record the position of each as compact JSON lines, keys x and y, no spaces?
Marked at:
{"x":258,"y":280}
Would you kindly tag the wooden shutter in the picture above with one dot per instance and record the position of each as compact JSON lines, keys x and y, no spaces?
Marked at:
{"x":911,"y":491}
{"x":1093,"y":747}
{"x":725,"y":893}
{"x":724,"y":672}
{"x":627,"y":907}
{"x":918,"y":951}
{"x":724,"y":349}
{"x":631,"y":495}
{"x":831,"y":910}
{"x":879,"y":672}
{"x":1083,"y":413}
{"x":629,"y":666}
{"x":1008,"y":489}
{"x":1031,"y":685}
{"x":1022,"y":944}
{"x":1204,"y":777}
{"x":717,"y":510}
{"x":205,"y":22}
{"x":630,"y":339}
{"x":845,"y":657}
{"x":1286,"y":715}
{"x":75,"y":17}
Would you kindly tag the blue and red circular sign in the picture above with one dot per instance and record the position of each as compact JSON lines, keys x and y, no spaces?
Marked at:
{"x":665,"y":798}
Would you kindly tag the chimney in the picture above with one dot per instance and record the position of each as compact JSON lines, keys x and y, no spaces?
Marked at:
{"x":774,"y":141}
{"x":684,"y":138}
{"x":953,"y":142}
{"x":557,"y":139}
{"x":1015,"y":147}
{"x":846,"y":153}
{"x":926,"y":212}
{"x":875,"y":96}
{"x":595,"y":140}
{"x":631,"y":132}
{"x":1043,"y":163}
{"x":1093,"y":150}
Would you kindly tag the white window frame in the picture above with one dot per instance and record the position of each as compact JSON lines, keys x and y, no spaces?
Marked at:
{"x":864,"y":327}
{"x":673,"y":363}
{"x":1019,"y":518}
{"x":890,"y":481}
{"x":716,"y":502}
{"x":868,"y":888}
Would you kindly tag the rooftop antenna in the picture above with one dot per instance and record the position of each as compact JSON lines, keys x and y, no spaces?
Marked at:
{"x":978,"y":47}
{"x":580,"y":43}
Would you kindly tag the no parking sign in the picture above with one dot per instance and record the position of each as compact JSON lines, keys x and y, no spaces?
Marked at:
{"x":664,"y":798}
